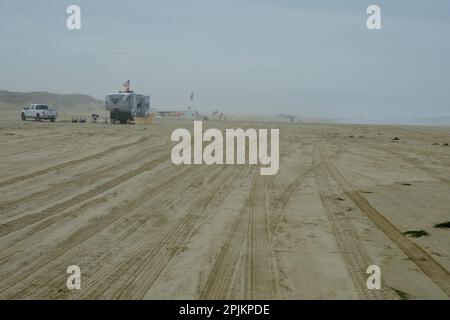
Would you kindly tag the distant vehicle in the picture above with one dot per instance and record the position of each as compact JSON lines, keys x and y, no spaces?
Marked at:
{"x":38,"y":112}
{"x":125,"y":106}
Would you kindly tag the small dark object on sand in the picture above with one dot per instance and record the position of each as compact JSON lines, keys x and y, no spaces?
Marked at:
{"x":406,"y":184}
{"x":443,"y":225}
{"x":446,"y":144}
{"x":403,"y":295}
{"x":435,"y":144}
{"x":416,"y":233}
{"x":340,"y":199}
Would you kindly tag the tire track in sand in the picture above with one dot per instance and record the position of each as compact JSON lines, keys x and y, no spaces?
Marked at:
{"x":283,"y":199}
{"x":134,"y":274}
{"x":70,"y":163}
{"x":261,"y":282}
{"x":250,"y":226}
{"x":73,"y":213}
{"x":22,"y":222}
{"x":53,"y":193}
{"x":197,"y":215}
{"x":261,"y":275}
{"x":18,"y":284}
{"x":348,"y":242}
{"x":420,"y":257}
{"x":219,"y":283}
{"x":134,"y":230}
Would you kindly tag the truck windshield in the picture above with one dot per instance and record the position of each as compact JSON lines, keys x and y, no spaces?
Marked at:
{"x":42,"y":107}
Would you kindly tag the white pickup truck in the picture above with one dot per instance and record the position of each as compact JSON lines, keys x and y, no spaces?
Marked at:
{"x":38,"y":112}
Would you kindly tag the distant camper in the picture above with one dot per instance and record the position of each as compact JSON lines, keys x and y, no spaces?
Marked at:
{"x":125,"y":106}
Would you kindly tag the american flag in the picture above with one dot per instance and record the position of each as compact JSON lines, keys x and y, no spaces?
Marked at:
{"x":126,"y":86}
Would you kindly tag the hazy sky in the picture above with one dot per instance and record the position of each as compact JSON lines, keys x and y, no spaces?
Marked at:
{"x":310,"y":58}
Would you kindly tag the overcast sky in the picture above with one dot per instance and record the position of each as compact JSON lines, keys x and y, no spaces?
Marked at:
{"x":309,"y":58}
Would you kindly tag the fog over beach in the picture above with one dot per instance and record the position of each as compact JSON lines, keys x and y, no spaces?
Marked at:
{"x":315,"y":60}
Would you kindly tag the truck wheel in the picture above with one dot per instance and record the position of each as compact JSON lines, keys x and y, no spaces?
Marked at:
{"x":22,"y":116}
{"x":38,"y":117}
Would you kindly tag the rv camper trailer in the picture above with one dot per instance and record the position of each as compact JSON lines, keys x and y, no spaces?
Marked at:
{"x":124,"y":107}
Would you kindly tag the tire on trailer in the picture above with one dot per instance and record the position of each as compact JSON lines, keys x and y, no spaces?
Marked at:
{"x":52,"y":119}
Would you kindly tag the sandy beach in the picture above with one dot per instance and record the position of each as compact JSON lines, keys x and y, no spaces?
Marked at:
{"x":108,"y":199}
